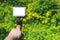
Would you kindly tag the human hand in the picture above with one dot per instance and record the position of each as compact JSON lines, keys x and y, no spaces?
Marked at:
{"x":14,"y":33}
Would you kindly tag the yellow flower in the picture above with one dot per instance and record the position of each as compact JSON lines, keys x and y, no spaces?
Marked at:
{"x":33,"y":30}
{"x":43,"y":21}
{"x":54,"y":27}
{"x":58,"y":26}
{"x":37,"y":17}
{"x":48,"y":13}
{"x":27,"y":18}
{"x":40,"y":16}
{"x":24,"y":20}
{"x":29,"y":14}
{"x":52,"y":20}
{"x":29,"y":7}
{"x":33,"y":15}
{"x":46,"y":21}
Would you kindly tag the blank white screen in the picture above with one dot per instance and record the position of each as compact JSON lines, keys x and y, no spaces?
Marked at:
{"x":19,"y":11}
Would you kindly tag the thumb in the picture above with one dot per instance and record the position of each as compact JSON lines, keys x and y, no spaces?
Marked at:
{"x":18,"y":27}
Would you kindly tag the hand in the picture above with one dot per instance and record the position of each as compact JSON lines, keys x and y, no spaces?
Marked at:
{"x":14,"y":33}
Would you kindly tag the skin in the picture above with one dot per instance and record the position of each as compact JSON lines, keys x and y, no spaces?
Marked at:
{"x":14,"y":33}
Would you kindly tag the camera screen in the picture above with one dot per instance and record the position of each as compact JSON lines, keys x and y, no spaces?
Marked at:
{"x":19,"y":11}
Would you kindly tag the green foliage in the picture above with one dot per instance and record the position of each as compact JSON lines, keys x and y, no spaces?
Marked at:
{"x":42,"y":20}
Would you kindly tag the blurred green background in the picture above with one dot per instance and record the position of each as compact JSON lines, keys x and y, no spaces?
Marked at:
{"x":42,"y":20}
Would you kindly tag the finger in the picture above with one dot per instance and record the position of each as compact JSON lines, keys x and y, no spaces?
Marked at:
{"x":18,"y":27}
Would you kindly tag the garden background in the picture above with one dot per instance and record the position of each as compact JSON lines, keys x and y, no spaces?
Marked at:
{"x":42,"y":20}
